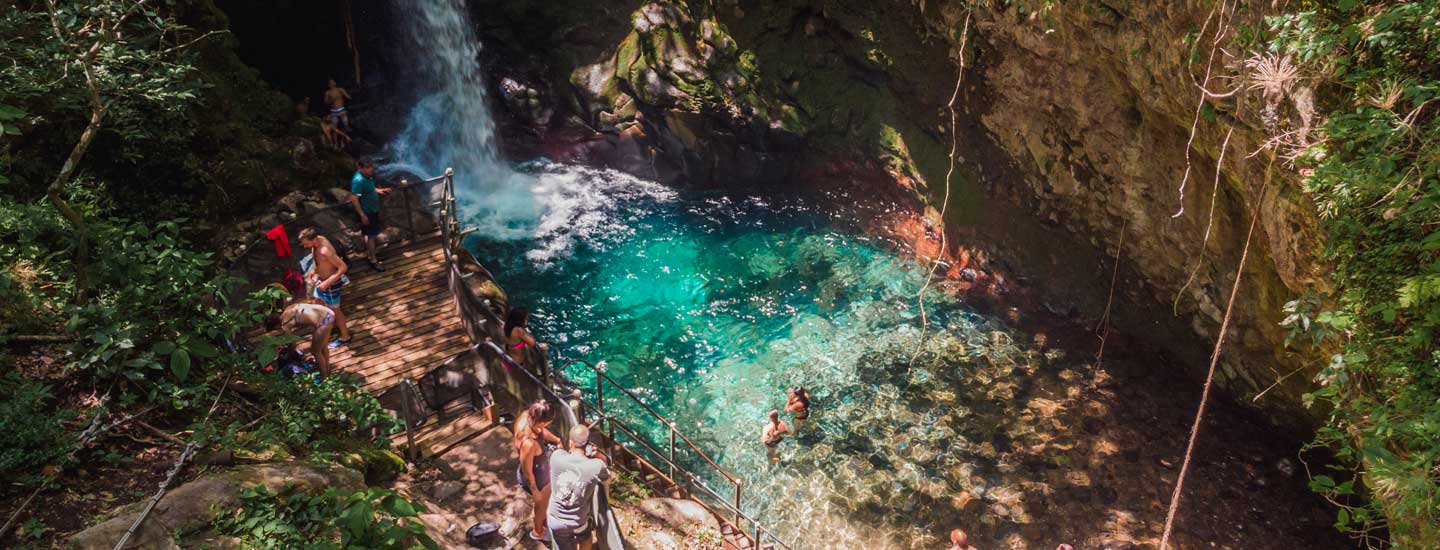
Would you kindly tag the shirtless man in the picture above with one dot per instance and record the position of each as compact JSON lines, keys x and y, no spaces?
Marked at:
{"x":774,"y":431}
{"x":959,"y":540}
{"x":335,"y":97}
{"x":320,"y":319}
{"x":326,"y":275}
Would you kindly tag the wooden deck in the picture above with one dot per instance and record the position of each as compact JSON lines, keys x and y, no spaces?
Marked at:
{"x":403,"y":323}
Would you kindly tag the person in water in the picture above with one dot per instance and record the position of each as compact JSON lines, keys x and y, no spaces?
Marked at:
{"x":798,"y":404}
{"x":319,"y":318}
{"x":335,"y":97}
{"x":774,"y":431}
{"x":518,"y":337}
{"x":532,"y":440}
{"x":959,"y":540}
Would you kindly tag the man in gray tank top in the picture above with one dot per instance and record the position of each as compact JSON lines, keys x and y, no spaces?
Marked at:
{"x":575,"y":474}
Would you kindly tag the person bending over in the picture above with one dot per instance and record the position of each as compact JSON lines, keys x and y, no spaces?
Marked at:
{"x":318,"y":318}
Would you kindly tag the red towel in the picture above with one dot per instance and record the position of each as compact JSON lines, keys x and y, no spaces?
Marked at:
{"x":282,"y":241}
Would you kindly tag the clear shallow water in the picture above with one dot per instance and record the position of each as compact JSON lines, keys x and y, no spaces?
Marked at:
{"x":710,"y":306}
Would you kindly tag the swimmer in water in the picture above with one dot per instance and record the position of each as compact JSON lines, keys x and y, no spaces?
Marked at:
{"x":774,"y":431}
{"x":959,"y":540}
{"x":798,"y":404}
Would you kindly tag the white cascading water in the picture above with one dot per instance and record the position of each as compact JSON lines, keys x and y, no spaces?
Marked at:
{"x":451,"y":126}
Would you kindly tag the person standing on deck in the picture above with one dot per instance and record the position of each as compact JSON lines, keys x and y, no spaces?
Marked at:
{"x":327,"y":275}
{"x":365,"y":197}
{"x":335,"y":97}
{"x":532,"y":440}
{"x":575,"y":475}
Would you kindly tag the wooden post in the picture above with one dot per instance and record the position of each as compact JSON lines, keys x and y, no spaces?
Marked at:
{"x":409,"y":211}
{"x":405,"y":409}
{"x":737,"y":504}
{"x":672,"y":451}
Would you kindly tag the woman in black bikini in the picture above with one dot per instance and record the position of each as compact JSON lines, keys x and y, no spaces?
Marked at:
{"x":798,"y":403}
{"x":531,"y":436}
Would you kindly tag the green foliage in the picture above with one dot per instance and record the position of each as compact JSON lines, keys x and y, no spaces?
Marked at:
{"x":138,"y":65}
{"x":155,"y":315}
{"x":1376,"y":182}
{"x":34,"y":430}
{"x":627,"y":486}
{"x":373,"y":518}
{"x":319,"y":416}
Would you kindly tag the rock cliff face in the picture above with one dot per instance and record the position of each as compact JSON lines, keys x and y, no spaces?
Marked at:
{"x":1076,"y":114}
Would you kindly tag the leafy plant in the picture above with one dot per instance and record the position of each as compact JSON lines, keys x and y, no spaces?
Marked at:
{"x":156,"y":313}
{"x":306,"y":414}
{"x":372,"y":518}
{"x":627,"y":486}
{"x":34,"y":431}
{"x":1374,"y":174}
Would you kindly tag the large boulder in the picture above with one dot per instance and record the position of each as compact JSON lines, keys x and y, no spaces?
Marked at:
{"x":667,"y":524}
{"x":192,"y":507}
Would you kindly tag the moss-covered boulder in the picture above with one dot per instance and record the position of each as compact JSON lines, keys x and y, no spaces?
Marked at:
{"x":192,"y":507}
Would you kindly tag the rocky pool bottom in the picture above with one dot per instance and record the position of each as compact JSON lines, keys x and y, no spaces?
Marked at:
{"x":709,"y":306}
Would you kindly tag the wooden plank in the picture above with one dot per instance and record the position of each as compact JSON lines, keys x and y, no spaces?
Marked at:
{"x":397,"y":262}
{"x":364,"y":342}
{"x":419,"y":359}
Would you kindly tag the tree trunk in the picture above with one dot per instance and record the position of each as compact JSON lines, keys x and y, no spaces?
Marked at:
{"x":57,"y":198}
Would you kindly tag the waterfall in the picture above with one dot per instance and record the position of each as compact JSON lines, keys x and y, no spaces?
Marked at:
{"x":451,"y":125}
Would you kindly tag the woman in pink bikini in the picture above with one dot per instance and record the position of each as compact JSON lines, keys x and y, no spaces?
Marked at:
{"x":518,"y":337}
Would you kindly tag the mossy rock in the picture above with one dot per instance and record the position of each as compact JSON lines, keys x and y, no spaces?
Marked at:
{"x":379,"y":466}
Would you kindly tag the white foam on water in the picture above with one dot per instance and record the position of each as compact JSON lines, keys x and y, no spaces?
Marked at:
{"x":452,"y":127}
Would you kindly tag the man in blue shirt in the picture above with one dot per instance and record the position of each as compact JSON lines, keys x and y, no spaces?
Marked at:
{"x":366,"y":199}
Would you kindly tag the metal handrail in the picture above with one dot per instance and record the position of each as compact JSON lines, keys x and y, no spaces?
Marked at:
{"x":571,"y":418}
{"x":669,"y":458}
{"x":601,"y":376}
{"x":695,"y":480}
